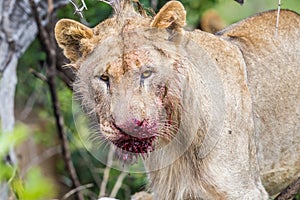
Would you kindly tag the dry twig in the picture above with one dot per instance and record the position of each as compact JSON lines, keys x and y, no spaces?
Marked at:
{"x":82,"y":187}
{"x":106,"y":172}
{"x":38,"y":75}
{"x":277,"y":18}
{"x":118,"y":185}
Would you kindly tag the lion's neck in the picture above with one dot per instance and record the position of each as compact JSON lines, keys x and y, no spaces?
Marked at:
{"x":181,"y":179}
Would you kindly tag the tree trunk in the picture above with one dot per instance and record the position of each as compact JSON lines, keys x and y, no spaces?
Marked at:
{"x":17,"y":30}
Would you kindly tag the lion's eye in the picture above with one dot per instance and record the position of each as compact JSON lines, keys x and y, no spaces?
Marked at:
{"x":104,"y":78}
{"x":146,"y":74}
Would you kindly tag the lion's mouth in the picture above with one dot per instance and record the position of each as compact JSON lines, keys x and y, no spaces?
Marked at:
{"x":135,"y":145}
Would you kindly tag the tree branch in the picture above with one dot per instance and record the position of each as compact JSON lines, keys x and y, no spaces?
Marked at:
{"x":38,"y":75}
{"x":82,"y":187}
{"x":106,"y":172}
{"x":49,"y":47}
{"x":118,"y":185}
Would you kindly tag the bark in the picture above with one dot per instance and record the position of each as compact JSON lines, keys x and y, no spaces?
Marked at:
{"x":7,"y":92}
{"x":17,"y":30}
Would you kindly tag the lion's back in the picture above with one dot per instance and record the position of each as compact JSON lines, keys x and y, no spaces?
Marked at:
{"x":273,"y":71}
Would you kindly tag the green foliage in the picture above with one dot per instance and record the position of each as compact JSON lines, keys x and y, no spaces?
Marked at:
{"x":96,"y":12}
{"x":195,"y":9}
{"x":34,"y":186}
{"x":232,"y":12}
{"x":7,"y":140}
{"x":27,"y":85}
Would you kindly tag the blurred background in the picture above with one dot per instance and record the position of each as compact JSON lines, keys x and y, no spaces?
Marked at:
{"x":43,"y":173}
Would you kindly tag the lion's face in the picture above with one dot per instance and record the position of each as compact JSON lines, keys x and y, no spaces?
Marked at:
{"x":134,"y":95}
{"x":129,"y":96}
{"x":129,"y":77}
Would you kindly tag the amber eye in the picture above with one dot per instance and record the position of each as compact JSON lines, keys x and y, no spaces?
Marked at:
{"x":104,"y":78}
{"x":146,"y":74}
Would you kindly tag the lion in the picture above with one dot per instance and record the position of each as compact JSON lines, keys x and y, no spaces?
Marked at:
{"x":214,"y":116}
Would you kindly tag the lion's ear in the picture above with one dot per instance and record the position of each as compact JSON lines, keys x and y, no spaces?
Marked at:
{"x":74,"y":38}
{"x":172,"y":16}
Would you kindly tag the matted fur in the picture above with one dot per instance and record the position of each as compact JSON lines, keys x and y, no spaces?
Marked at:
{"x":255,"y":75}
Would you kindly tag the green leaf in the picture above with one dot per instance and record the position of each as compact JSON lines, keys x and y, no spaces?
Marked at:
{"x":10,"y":139}
{"x":36,"y":186}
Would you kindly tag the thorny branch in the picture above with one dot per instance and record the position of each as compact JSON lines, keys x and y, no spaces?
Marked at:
{"x":45,"y":39}
{"x":77,"y":9}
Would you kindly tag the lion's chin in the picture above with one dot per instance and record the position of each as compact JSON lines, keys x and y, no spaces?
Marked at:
{"x":134,"y":144}
{"x":129,"y":148}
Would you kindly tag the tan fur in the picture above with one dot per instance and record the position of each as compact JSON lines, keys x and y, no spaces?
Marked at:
{"x":211,"y":22}
{"x":258,"y":85}
{"x":75,"y":38}
{"x":172,"y":15}
{"x":273,"y":69}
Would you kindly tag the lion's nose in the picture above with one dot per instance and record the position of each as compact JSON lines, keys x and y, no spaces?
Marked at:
{"x":140,"y":128}
{"x":140,"y":123}
{"x":136,"y":126}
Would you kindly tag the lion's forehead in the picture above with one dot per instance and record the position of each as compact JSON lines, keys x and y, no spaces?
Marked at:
{"x":132,"y":61}
{"x":118,"y":61}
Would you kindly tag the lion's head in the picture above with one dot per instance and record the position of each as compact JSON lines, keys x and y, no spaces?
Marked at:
{"x":134,"y":77}
{"x":135,"y":94}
